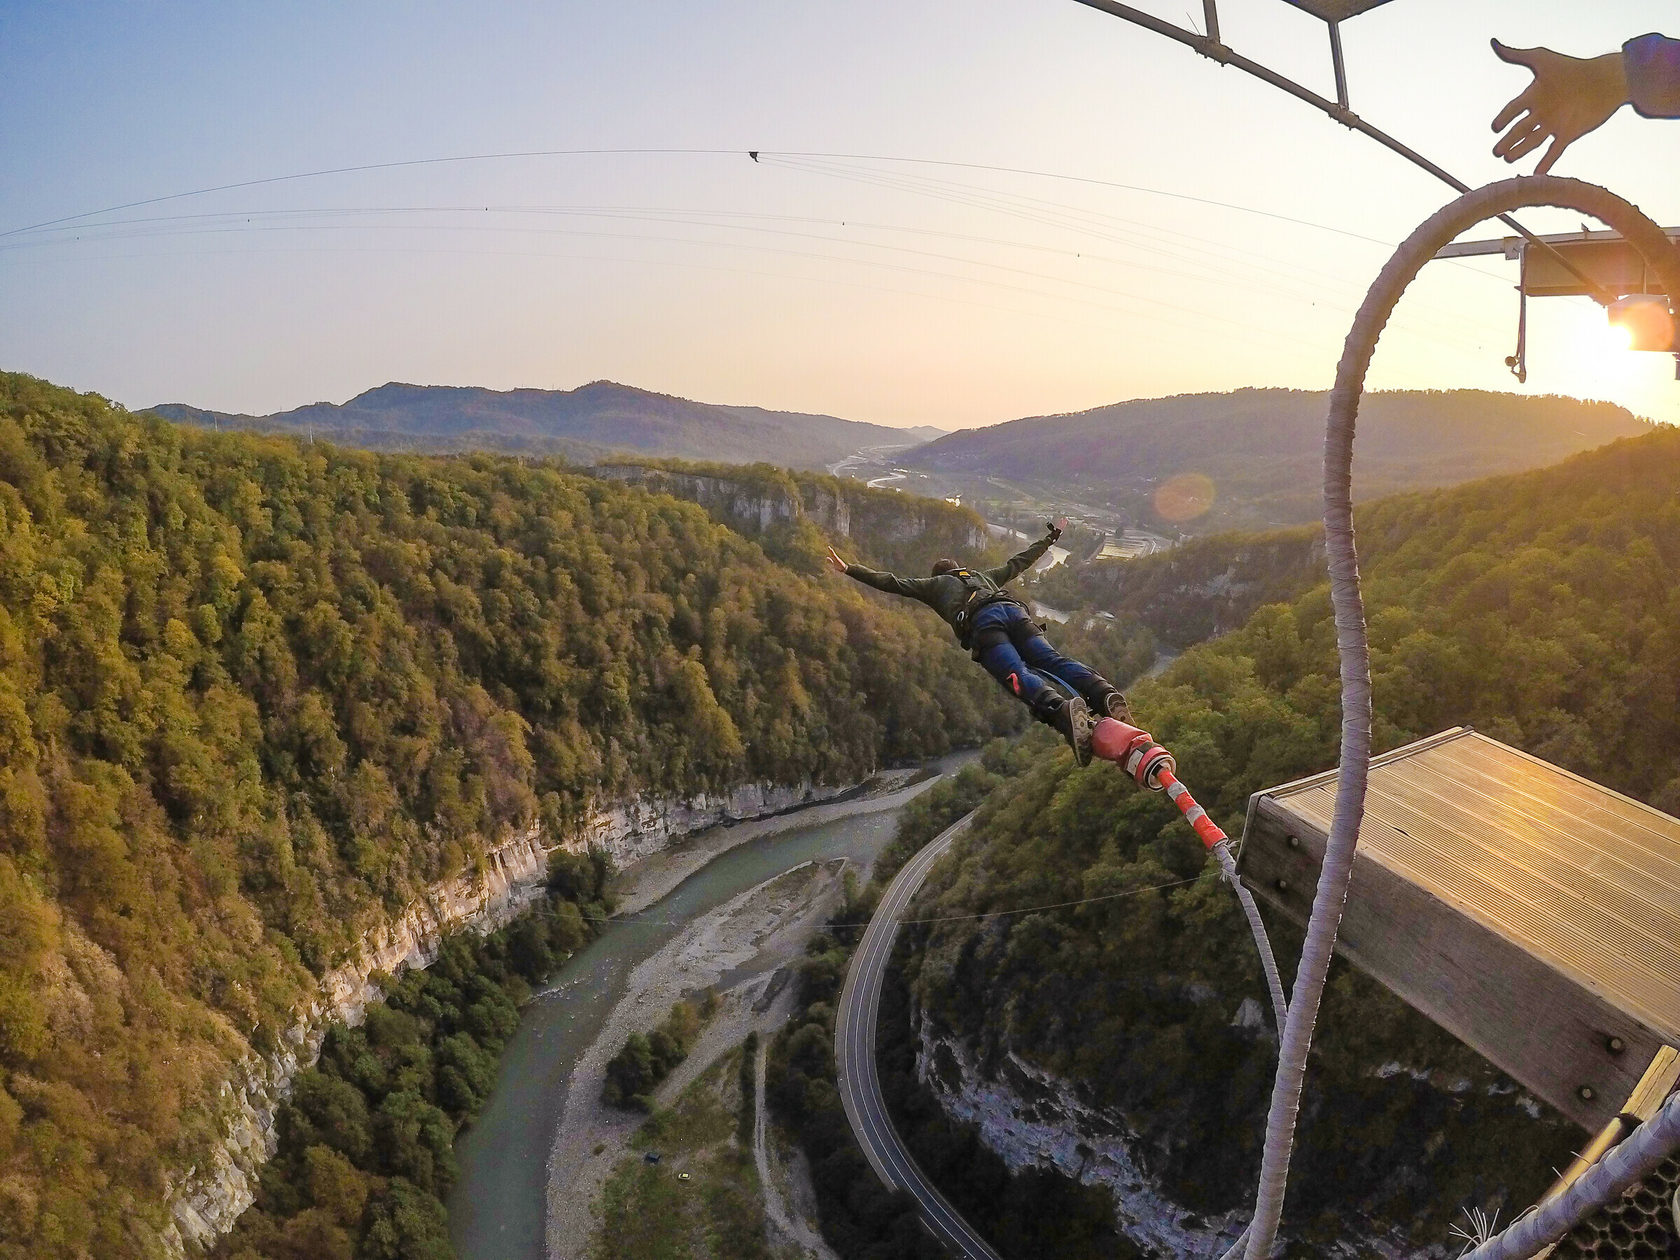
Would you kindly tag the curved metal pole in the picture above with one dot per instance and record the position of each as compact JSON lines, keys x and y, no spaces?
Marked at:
{"x":1209,"y":46}
{"x":1351,"y":641}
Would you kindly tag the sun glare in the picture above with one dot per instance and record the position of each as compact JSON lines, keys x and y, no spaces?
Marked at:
{"x":1592,"y":355}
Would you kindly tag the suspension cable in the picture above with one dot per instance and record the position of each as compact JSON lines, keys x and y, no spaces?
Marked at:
{"x":1210,"y":46}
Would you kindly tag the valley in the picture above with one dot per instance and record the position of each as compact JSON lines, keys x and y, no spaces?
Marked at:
{"x":530,"y":1173}
{"x":652,"y":694}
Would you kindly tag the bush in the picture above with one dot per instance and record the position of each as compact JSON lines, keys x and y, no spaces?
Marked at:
{"x":646,"y":1059}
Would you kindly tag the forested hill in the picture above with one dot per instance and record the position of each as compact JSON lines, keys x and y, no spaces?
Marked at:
{"x":580,"y":424}
{"x":256,"y":694}
{"x":1201,"y":588}
{"x":1544,"y":609}
{"x":1263,"y":448}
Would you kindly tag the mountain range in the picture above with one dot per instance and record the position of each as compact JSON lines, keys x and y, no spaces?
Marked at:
{"x":1248,"y":459}
{"x":583,"y":424}
{"x":1260,"y":450}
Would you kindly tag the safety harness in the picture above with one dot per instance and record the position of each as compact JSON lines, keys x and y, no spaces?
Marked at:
{"x":982,"y":593}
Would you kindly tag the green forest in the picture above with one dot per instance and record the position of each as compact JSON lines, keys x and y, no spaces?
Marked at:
{"x":1542,"y":609}
{"x":646,"y":1059}
{"x":366,"y":1139}
{"x":256,"y":693}
{"x":1199,"y":589}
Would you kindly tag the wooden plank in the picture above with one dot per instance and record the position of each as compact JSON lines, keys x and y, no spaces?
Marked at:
{"x":1539,"y":1026}
{"x":1655,"y":1086}
{"x":1575,"y":874}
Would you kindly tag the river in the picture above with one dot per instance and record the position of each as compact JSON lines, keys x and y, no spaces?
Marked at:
{"x":496,"y":1208}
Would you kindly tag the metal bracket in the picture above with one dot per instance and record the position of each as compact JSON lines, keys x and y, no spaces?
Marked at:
{"x":1335,"y":29}
{"x":1518,"y":362}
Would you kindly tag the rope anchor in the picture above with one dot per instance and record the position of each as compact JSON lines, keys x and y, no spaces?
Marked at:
{"x":1137,"y":753}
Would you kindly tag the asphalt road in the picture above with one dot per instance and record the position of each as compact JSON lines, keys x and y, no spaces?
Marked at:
{"x":854,"y":1053}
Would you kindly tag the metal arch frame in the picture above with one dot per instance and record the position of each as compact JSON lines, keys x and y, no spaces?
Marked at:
{"x":1212,"y":47}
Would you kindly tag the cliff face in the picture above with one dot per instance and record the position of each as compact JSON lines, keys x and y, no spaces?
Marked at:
{"x":645,"y":825}
{"x":748,"y":505}
{"x":1030,"y":1118}
{"x":758,"y":499}
{"x":1202,"y":588}
{"x":208,"y":1198}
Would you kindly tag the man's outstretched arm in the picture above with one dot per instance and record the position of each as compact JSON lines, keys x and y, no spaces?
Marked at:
{"x":891,"y":583}
{"x":1021,"y":561}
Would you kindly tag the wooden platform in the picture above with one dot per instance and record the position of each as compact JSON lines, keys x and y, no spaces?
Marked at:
{"x":1530,"y":912}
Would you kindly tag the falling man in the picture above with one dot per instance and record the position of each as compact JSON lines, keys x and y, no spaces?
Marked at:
{"x":999,"y":631}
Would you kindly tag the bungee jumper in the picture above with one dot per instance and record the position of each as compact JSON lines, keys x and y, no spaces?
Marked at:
{"x":999,"y":632}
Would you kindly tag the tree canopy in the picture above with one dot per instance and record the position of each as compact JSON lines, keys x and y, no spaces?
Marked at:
{"x":1541,"y":609}
{"x":256,"y":693}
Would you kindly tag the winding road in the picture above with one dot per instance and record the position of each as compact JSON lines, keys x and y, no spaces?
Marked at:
{"x":854,"y":1053}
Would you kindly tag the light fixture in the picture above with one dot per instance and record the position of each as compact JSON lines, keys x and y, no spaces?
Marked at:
{"x":1649,"y":323}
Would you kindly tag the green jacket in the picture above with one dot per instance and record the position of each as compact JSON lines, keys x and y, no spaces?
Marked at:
{"x":947,"y":594}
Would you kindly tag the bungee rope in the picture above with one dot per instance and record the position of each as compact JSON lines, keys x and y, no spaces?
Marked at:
{"x":1153,"y":767}
{"x":1562,"y":1214}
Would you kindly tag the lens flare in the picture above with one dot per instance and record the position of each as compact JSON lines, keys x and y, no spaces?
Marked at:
{"x":1184,"y":497}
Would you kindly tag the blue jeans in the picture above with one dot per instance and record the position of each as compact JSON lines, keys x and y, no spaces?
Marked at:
{"x":1014,"y":661}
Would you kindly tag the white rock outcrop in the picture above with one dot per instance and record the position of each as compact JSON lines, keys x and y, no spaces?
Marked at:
{"x":207,"y":1199}
{"x":645,"y":825}
{"x":1028,"y":1116}
{"x":1053,"y":1128}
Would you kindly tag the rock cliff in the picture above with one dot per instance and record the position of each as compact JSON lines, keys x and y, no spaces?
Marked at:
{"x":757,"y":499}
{"x":207,"y":1199}
{"x":1030,"y":1117}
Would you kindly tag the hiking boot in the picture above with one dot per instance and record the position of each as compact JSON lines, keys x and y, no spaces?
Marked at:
{"x":1114,"y":704}
{"x":1073,"y":721}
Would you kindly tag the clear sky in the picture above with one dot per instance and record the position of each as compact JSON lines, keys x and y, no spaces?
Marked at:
{"x":892,"y":291}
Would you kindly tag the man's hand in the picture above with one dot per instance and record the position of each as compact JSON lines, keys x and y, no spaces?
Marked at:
{"x":1568,"y":98}
{"x":1054,"y":528}
{"x":835,"y":562}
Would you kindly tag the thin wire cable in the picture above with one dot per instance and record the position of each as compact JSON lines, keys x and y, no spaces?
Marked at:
{"x":1257,"y":928}
{"x":1246,"y":326}
{"x":1078,"y":179}
{"x":764,"y":157}
{"x":1190,"y":318}
{"x":945,"y":918}
{"x":701,"y":152}
{"x":217,"y":223}
{"x":370,"y":166}
{"x":1109,"y":228}
{"x":666,"y":152}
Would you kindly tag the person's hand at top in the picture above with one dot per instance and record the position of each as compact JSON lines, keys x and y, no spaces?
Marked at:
{"x":834,"y":561}
{"x":1569,"y":97}
{"x":1056,"y":527}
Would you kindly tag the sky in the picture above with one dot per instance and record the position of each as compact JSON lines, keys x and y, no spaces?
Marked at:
{"x":961,"y":213}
